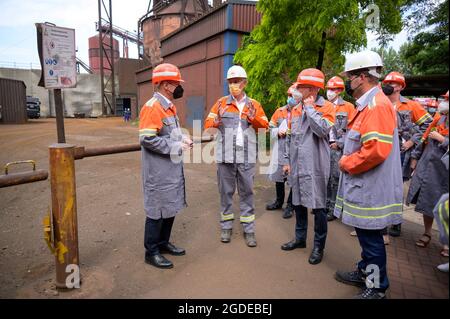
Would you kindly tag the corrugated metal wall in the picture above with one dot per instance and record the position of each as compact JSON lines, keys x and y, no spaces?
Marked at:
{"x":245,"y":17}
{"x":13,"y":101}
{"x":203,"y":50}
{"x":193,"y":33}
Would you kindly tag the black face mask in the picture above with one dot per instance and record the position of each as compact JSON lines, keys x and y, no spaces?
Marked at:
{"x":348,"y":87}
{"x":178,"y":92}
{"x":388,"y":89}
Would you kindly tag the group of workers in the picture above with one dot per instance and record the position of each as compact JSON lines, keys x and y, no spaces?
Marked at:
{"x":340,"y":161}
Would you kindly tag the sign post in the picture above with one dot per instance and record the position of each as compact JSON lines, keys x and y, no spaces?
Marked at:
{"x":56,"y":46}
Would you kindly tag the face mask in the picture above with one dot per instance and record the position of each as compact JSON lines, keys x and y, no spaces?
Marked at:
{"x":331,"y":95}
{"x":178,"y":92}
{"x":298,"y":97}
{"x":291,"y":101}
{"x":388,"y":89}
{"x":443,"y":107}
{"x":348,"y":87}
{"x":235,"y":89}
{"x":432,"y":110}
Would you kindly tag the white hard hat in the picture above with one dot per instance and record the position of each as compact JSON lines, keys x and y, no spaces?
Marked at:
{"x":236,"y":71}
{"x":364,"y":60}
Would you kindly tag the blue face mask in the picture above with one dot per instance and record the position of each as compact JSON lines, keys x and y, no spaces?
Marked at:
{"x":432,"y":110}
{"x":291,"y":101}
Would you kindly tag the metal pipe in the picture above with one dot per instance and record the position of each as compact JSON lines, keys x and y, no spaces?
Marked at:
{"x":82,"y":152}
{"x":23,"y":178}
{"x":64,"y":213}
{"x":59,"y":116}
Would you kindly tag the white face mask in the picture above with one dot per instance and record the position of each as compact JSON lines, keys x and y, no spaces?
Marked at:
{"x":443,"y":107}
{"x":297,"y":96}
{"x":331,"y":95}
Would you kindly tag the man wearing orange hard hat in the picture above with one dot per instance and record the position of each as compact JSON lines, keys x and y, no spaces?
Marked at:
{"x":308,"y":160}
{"x":163,"y":178}
{"x":344,"y":111}
{"x":413,"y":121}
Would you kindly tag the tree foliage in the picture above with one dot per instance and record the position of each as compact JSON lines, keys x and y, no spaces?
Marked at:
{"x":428,"y":52}
{"x":289,"y":39}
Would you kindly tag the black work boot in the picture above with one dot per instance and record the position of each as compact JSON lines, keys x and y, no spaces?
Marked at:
{"x":330,"y":216}
{"x":288,"y":211}
{"x":159,"y":261}
{"x":275,"y":205}
{"x":278,"y":203}
{"x":395,"y":230}
{"x":354,"y":278}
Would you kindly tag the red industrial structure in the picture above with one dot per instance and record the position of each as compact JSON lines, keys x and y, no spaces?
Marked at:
{"x":94,"y":53}
{"x":203,"y":50}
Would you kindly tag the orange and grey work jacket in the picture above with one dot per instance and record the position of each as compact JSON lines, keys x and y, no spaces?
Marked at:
{"x":413,"y":121}
{"x":344,"y":112}
{"x":226,"y":149}
{"x":370,"y":188}
{"x":308,"y":153}
{"x":162,"y":168}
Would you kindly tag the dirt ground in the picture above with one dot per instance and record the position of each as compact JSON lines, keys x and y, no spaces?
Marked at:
{"x":111,"y":228}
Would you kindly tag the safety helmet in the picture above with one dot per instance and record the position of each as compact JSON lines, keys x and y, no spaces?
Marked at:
{"x":166,"y":72}
{"x":313,"y":77}
{"x":335,"y":83}
{"x":363,"y":60}
{"x":236,"y":71}
{"x":395,"y":77}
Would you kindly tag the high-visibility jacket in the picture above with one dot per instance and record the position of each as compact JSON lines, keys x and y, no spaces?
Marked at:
{"x":228,"y":128}
{"x":370,"y":188}
{"x":279,"y":143}
{"x":413,"y":121}
{"x":162,"y":177}
{"x":430,"y":179}
{"x":344,"y":112}
{"x":308,"y":153}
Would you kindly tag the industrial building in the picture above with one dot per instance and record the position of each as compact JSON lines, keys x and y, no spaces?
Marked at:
{"x":203,"y":49}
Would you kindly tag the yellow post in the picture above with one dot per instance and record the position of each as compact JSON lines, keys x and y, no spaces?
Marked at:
{"x":64,"y":215}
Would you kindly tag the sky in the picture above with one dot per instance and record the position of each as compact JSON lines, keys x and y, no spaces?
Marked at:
{"x":18,"y":31}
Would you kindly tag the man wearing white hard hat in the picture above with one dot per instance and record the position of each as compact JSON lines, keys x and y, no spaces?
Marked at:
{"x":370,"y":188}
{"x":236,"y":116}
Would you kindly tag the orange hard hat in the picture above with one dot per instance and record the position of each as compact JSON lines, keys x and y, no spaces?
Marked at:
{"x":166,"y":72}
{"x":292,"y":88}
{"x":335,"y":83}
{"x":395,"y":77}
{"x":312,"y":77}
{"x":445,"y":95}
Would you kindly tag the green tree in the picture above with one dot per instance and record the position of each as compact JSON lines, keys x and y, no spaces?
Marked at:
{"x":428,"y":52}
{"x":393,"y":61}
{"x":292,"y":33}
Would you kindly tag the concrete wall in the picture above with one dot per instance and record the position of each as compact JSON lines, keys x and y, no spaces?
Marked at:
{"x":85,"y":98}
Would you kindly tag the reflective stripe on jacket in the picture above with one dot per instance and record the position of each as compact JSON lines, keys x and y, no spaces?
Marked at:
{"x":163,"y":178}
{"x":370,"y":190}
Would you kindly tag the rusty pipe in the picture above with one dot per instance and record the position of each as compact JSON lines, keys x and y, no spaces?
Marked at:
{"x":23,"y":178}
{"x":81,"y":152}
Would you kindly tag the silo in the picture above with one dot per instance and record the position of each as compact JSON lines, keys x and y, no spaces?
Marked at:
{"x":94,"y":53}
